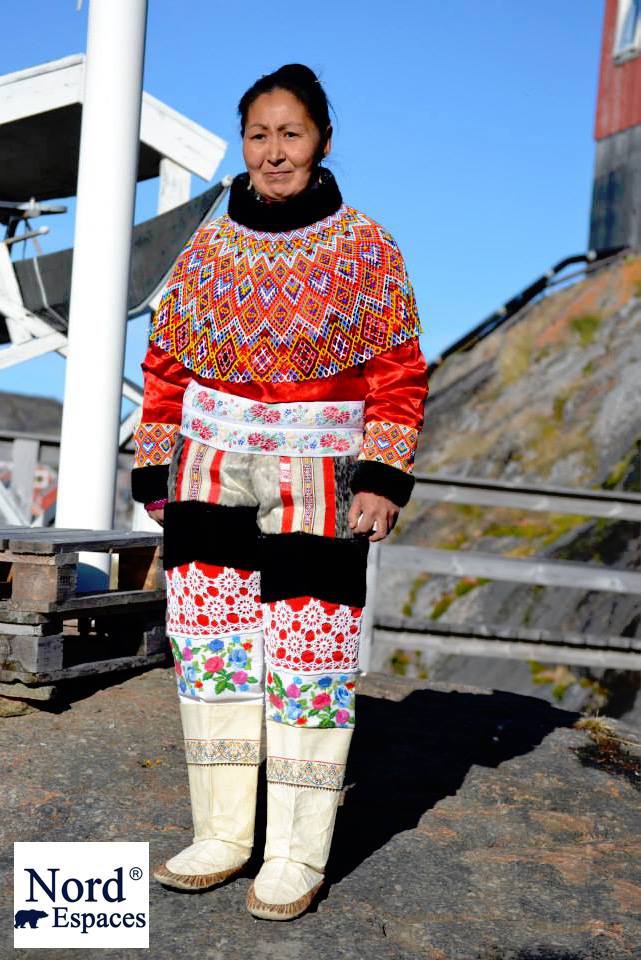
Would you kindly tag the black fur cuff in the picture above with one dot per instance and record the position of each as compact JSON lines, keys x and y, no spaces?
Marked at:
{"x":149,"y":483}
{"x":371,"y":476}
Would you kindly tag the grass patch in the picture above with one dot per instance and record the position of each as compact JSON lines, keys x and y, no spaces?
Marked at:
{"x":441,"y":606}
{"x":454,"y":542}
{"x":466,"y":585}
{"x":561,"y":679}
{"x":515,"y":359}
{"x":558,"y":405}
{"x":408,"y":607}
{"x":620,"y":470}
{"x":548,"y":530}
{"x":403,"y":661}
{"x":586,"y":326}
{"x":468,"y":510}
{"x":589,"y":368}
{"x":607,"y":751}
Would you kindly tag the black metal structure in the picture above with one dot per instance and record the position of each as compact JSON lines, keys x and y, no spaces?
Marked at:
{"x":45,"y":282}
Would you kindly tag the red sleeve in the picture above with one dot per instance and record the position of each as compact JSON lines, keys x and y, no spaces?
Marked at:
{"x":395,"y":405}
{"x":165,"y":381}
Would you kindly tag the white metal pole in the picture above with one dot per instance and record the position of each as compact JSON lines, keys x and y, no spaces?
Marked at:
{"x":102,"y":247}
{"x":174,"y":189}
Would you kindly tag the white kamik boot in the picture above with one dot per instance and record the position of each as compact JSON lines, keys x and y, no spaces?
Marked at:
{"x":305,"y":773}
{"x":222,"y":747}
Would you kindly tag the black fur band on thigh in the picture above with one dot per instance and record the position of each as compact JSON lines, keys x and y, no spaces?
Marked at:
{"x":194,"y":530}
{"x":306,"y":565}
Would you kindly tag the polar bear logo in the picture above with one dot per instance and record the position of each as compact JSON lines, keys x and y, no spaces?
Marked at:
{"x":31,"y":917}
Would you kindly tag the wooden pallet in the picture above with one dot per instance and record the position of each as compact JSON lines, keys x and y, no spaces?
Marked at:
{"x":50,"y":631}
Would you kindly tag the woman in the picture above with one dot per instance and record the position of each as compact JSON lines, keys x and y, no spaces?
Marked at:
{"x":283,"y":375}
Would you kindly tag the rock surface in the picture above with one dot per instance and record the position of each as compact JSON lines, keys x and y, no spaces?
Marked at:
{"x":476,"y":825}
{"x":551,"y":397}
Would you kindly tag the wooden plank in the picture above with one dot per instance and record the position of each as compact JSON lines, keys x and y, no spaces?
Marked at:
{"x":39,"y":583}
{"x":86,"y":669}
{"x":554,"y":573}
{"x":11,"y":619}
{"x":140,"y":568}
{"x":37,"y":559}
{"x":503,"y":649}
{"x":125,"y":601}
{"x":46,"y":628}
{"x":31,"y":540}
{"x":154,"y":641}
{"x":31,"y":654}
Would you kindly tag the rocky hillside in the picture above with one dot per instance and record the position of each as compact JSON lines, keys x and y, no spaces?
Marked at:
{"x":552,"y":396}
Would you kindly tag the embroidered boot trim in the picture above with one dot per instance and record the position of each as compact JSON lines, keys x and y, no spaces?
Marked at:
{"x":242,"y":752}
{"x":322,"y":775}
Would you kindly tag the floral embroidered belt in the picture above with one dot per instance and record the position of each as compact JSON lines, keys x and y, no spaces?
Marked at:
{"x":304,"y":429}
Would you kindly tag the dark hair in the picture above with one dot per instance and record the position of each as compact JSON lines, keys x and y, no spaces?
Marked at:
{"x":305,"y":86}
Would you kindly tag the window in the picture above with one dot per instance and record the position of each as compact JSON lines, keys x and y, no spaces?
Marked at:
{"x":628,"y":33}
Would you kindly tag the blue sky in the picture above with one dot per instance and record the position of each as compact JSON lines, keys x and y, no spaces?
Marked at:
{"x":464,"y":127}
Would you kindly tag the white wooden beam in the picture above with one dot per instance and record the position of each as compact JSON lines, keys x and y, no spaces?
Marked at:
{"x":174,"y":187}
{"x":48,"y":86}
{"x":174,"y":136}
{"x":60,"y":83}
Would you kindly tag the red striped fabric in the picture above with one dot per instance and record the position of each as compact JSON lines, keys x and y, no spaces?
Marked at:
{"x":285,"y":474}
{"x":329,"y":486}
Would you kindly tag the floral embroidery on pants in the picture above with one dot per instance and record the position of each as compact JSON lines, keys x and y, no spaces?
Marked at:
{"x":322,"y":700}
{"x":223,"y":668}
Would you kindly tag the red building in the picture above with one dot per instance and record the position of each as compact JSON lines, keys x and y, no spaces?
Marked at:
{"x":616,"y":199}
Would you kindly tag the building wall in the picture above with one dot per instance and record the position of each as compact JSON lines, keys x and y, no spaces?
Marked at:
{"x":616,"y":199}
{"x":615,"y":216}
{"x":619,"y":98}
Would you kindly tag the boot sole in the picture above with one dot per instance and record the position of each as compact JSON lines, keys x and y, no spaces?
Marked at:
{"x":280,"y":911}
{"x":186,"y":881}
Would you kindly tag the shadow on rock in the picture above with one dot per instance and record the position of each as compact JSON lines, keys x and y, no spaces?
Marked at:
{"x":408,"y":755}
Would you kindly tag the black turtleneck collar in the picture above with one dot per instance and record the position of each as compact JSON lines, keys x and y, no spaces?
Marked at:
{"x":319,"y":200}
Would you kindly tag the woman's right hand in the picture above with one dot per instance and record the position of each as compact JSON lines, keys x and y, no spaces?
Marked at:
{"x":158,"y":516}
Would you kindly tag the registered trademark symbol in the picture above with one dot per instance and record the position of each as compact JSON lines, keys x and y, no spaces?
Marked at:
{"x":135,"y":873}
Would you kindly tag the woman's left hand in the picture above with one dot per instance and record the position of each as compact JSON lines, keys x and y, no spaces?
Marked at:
{"x":368,"y":509}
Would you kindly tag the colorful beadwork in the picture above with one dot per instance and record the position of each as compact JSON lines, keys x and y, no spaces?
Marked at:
{"x":243,"y":305}
{"x":391,"y":443}
{"x":154,"y":444}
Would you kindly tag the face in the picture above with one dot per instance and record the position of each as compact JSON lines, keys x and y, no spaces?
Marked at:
{"x":280,"y":145}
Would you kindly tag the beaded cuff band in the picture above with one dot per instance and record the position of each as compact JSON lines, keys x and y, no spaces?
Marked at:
{"x":156,"y":504}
